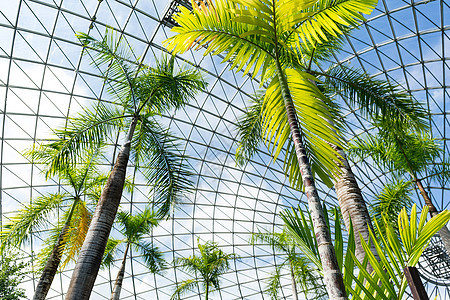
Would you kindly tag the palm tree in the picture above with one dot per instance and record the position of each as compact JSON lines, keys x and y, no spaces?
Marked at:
{"x":133,"y":228}
{"x":298,"y":268}
{"x":407,"y":152}
{"x":266,"y":36}
{"x":209,"y":266}
{"x":141,"y":94}
{"x":83,"y":182}
{"x":372,"y":96}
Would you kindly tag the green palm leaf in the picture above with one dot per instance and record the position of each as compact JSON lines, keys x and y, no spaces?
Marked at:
{"x":313,"y":111}
{"x":324,"y":17}
{"x":184,"y":287}
{"x":396,"y":250}
{"x":88,"y":131}
{"x":377,"y":99}
{"x":250,"y":130}
{"x":31,"y":217}
{"x":162,"y":164}
{"x":389,"y":203}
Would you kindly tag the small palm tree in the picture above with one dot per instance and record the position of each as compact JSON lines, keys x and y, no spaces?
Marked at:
{"x":207,"y":268}
{"x":406,"y":152}
{"x":141,"y":94}
{"x":265,"y":37}
{"x":133,"y":228}
{"x":299,"y":269}
{"x":83,"y":183}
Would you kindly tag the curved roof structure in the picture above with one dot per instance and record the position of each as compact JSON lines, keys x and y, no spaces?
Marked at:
{"x":44,"y":79}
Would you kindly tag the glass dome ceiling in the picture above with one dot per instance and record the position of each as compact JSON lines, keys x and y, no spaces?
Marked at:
{"x":44,"y":79}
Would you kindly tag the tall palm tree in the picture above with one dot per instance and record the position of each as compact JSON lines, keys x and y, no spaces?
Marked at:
{"x":141,"y":94}
{"x":82,"y":182}
{"x":299,"y":270}
{"x":133,"y":228}
{"x":372,"y":96}
{"x":207,"y":268}
{"x":407,"y":152}
{"x":265,"y":37}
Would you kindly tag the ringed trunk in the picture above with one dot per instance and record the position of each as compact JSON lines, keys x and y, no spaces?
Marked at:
{"x":332,"y":275}
{"x":444,"y":233}
{"x":353,"y":207}
{"x":51,"y":267}
{"x":88,"y":264}
{"x":293,"y":282}
{"x":119,"y":280}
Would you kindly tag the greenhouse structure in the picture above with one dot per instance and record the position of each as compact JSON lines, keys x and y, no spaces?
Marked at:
{"x":224,"y":149}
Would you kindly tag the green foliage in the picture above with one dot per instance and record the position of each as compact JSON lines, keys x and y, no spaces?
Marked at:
{"x":396,"y":251}
{"x":389,"y":203}
{"x":399,"y":152}
{"x":307,"y":277}
{"x":83,"y":182}
{"x":12,"y":272}
{"x":250,"y":130}
{"x":265,"y":37}
{"x":377,"y":99}
{"x":313,"y":109}
{"x":157,"y":155}
{"x":207,"y":267}
{"x":31,"y":217}
{"x":250,"y":32}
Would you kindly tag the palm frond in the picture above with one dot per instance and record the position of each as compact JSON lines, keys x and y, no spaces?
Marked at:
{"x":167,"y":86}
{"x":191,"y":264}
{"x":115,"y":55}
{"x":49,"y":243}
{"x":389,"y":203}
{"x":184,"y":287}
{"x":314,"y":116}
{"x":299,"y":228}
{"x":326,"y":17}
{"x":399,"y":152}
{"x":210,"y":264}
{"x":273,"y":284}
{"x":217,"y":25}
{"x":249,"y":129}
{"x":88,"y":130}
{"x":157,"y":154}
{"x":31,"y":217}
{"x":440,"y":172}
{"x":110,"y":251}
{"x":309,"y":279}
{"x":153,"y":257}
{"x":377,"y":99}
{"x":277,"y":240}
{"x":135,"y":226}
{"x":76,"y":233}
{"x":321,"y":52}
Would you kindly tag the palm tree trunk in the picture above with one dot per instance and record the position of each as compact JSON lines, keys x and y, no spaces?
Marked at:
{"x":353,"y":207}
{"x":332,"y":275}
{"x":119,"y":280}
{"x":207,"y":291}
{"x":94,"y":245}
{"x":293,"y":282}
{"x":51,"y":267}
{"x":444,"y":233}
